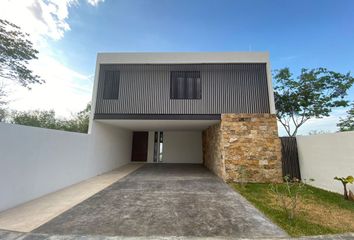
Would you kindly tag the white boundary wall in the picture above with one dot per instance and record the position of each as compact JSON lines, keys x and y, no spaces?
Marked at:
{"x":324,"y":156}
{"x":37,"y":161}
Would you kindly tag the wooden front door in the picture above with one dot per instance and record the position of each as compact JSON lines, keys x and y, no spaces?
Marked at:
{"x":140,"y":146}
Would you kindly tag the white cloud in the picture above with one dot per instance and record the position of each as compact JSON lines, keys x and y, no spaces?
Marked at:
{"x":39,"y":18}
{"x":65,"y":90}
{"x":94,"y":2}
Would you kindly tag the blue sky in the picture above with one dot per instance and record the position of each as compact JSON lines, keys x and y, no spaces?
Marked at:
{"x":316,"y":33}
{"x":296,"y":33}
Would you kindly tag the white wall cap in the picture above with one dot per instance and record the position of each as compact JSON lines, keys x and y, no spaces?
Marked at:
{"x":182,"y":57}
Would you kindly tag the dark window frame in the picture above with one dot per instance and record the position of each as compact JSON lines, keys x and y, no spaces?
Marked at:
{"x":185,"y":85}
{"x":111,"y":85}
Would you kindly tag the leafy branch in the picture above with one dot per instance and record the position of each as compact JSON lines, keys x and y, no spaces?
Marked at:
{"x":347,"y":123}
{"x":312,"y":94}
{"x":15,"y":53}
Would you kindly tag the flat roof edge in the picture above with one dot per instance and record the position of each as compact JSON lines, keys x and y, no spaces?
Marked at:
{"x":120,"y":116}
{"x":181,"y":57}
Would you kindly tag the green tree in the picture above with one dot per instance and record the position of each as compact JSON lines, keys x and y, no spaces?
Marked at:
{"x":347,"y":124}
{"x":313,"y":94}
{"x":3,"y":103}
{"x":36,"y":118}
{"x":15,"y":53}
{"x":47,"y":119}
{"x":80,"y":121}
{"x":3,"y":114}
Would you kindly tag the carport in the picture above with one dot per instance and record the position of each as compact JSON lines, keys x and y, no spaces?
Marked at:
{"x":163,"y":141}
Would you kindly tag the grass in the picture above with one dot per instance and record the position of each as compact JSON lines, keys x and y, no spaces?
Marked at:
{"x":319,"y":211}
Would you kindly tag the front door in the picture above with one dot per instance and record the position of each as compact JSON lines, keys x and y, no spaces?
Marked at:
{"x":140,"y":146}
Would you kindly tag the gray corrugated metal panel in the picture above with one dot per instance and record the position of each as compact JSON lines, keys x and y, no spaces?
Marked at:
{"x":226,"y":88}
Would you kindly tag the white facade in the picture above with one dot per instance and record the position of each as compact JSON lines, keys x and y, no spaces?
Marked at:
{"x":324,"y":156}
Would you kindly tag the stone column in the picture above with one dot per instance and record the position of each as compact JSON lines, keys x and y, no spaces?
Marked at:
{"x":213,"y":150}
{"x":244,"y":147}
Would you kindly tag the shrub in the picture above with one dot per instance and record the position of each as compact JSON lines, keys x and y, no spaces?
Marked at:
{"x":289,"y":194}
{"x":345,"y":181}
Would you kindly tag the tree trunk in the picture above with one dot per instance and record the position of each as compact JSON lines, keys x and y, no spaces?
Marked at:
{"x":345,"y":191}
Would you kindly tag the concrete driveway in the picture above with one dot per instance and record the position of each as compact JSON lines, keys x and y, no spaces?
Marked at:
{"x":165,"y":200}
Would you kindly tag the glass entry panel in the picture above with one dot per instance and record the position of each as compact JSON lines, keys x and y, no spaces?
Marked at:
{"x":158,"y":147}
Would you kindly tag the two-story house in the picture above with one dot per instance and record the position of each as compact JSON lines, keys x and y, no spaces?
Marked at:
{"x":211,"y":108}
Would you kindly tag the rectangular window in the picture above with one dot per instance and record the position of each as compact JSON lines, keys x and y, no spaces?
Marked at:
{"x":185,"y":85}
{"x":111,"y":85}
